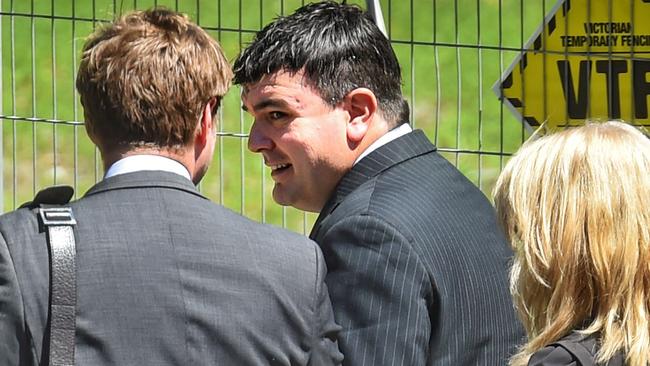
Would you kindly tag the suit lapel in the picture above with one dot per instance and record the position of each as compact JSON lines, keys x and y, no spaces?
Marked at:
{"x":399,"y":150}
{"x":145,"y":179}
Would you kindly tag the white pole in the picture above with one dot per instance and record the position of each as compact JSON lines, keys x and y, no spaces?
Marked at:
{"x":374,"y":8}
{"x":2,"y":123}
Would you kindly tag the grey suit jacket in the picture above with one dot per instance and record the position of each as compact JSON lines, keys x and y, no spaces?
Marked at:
{"x":417,"y":265}
{"x":165,"y":277}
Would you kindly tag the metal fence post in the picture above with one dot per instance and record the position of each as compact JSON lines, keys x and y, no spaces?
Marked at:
{"x":374,"y":8}
{"x":2,"y":155}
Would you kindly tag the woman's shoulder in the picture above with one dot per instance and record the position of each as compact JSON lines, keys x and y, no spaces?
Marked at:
{"x":574,"y":349}
{"x":553,"y":355}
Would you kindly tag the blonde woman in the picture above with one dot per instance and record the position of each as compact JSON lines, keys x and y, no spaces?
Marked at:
{"x":575,"y":206}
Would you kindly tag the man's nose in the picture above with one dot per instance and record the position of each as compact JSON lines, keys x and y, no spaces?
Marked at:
{"x":258,"y":139}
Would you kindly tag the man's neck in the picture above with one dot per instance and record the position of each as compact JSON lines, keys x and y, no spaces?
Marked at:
{"x":179,"y":156}
{"x":383,"y":139}
{"x":138,"y":163}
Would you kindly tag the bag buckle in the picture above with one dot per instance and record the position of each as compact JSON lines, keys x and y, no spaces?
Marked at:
{"x":57,"y":216}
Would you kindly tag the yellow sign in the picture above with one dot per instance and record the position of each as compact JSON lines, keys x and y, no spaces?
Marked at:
{"x":589,"y":60}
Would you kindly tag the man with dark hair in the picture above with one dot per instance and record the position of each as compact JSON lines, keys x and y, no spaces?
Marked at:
{"x":417,"y":269}
{"x":163,"y":276}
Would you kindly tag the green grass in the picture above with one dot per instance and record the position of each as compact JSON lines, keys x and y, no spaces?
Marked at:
{"x":449,"y":85}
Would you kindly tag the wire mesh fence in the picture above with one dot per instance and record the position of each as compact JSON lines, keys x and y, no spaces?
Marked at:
{"x":451,"y":53}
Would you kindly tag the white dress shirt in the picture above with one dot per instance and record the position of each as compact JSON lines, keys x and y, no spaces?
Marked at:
{"x":386,"y":138}
{"x":136,"y":163}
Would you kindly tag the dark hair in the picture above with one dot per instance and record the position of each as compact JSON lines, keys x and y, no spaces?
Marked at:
{"x":339,"y":48}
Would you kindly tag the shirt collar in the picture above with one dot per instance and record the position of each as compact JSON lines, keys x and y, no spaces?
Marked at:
{"x":386,"y":138}
{"x":135,"y":163}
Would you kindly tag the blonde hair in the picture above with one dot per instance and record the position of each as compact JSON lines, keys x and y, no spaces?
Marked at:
{"x":575,"y":207}
{"x":145,"y":79}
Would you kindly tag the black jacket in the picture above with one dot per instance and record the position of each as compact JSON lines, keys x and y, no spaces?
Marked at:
{"x":575,"y":349}
{"x":418,"y":269}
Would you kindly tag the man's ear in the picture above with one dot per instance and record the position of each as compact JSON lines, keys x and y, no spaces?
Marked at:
{"x":206,"y":123}
{"x":361,"y":105}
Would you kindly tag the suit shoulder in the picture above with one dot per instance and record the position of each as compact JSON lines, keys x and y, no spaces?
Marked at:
{"x":359,"y":201}
{"x":431,"y":183}
{"x":427,"y":192}
{"x":291,"y":258}
{"x":21,"y":221}
{"x":268,"y":237}
{"x":429,"y":173}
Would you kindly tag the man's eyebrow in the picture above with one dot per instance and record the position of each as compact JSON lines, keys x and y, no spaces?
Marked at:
{"x":267,"y":103}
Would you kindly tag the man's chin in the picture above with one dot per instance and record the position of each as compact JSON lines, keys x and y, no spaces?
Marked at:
{"x":283,"y":197}
{"x":280,"y":197}
{"x":303,"y":202}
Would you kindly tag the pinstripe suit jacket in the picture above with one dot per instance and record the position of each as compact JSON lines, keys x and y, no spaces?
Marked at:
{"x":417,"y":266}
{"x":166,"y":277}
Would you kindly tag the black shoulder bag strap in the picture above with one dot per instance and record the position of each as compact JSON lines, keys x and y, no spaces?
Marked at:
{"x":59,"y":222}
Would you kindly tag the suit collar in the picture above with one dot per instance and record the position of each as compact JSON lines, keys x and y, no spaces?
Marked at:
{"x":389,"y":136}
{"x":397,"y":151}
{"x":145,"y":179}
